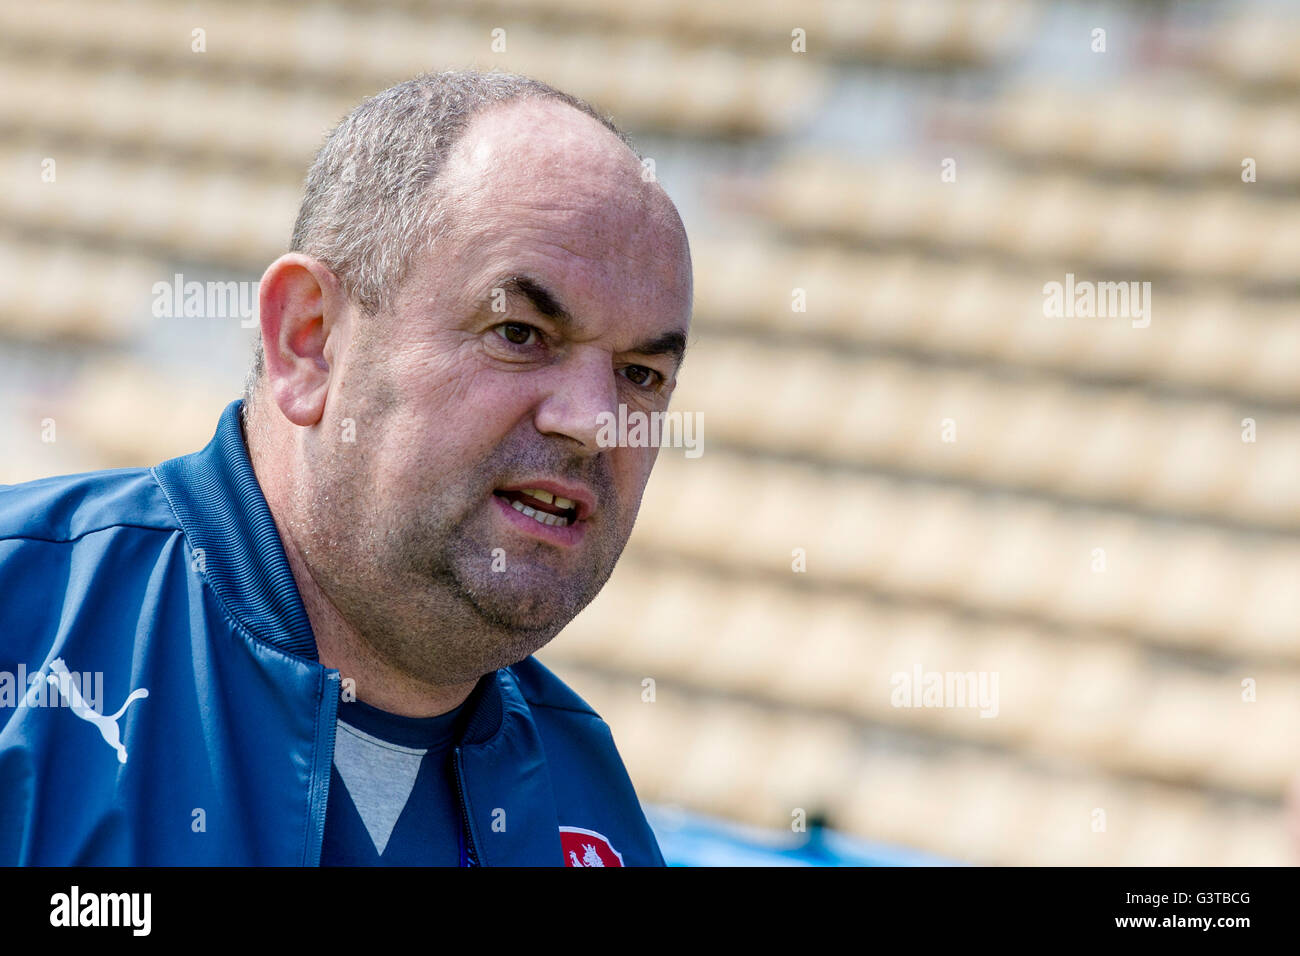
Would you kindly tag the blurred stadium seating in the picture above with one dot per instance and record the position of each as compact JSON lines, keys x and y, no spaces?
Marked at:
{"x":1121,"y":691}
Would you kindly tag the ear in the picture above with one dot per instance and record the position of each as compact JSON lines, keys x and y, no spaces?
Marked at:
{"x":304,"y":317}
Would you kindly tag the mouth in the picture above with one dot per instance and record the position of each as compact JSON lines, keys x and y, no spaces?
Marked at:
{"x":542,"y":506}
{"x":546,"y":510}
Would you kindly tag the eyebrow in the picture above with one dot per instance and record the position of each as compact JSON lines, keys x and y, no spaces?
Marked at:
{"x":672,"y":343}
{"x":540,"y":297}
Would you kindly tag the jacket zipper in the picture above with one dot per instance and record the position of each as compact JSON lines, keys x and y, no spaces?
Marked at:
{"x":470,"y":851}
{"x":331,"y":732}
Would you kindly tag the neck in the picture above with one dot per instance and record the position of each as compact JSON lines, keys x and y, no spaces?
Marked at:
{"x":339,"y":645}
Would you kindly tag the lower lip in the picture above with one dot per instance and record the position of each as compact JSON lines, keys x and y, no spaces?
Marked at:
{"x":566,"y":536}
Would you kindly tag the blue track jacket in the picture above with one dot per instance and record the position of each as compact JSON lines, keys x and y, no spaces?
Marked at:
{"x":161,"y":701}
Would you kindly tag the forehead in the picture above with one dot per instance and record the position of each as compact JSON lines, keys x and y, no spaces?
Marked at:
{"x":539,"y":187}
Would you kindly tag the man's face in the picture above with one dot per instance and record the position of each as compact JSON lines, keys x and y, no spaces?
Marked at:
{"x":562,"y":291}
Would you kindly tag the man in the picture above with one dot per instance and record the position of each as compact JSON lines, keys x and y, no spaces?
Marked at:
{"x":319,"y":628}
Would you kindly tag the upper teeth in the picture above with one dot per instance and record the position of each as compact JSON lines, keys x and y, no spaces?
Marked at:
{"x":548,"y":498}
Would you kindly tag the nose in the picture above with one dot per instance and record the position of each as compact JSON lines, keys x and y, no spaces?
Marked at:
{"x":581,"y":392}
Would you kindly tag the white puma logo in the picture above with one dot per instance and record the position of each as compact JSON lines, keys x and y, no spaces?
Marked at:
{"x":72,"y":694}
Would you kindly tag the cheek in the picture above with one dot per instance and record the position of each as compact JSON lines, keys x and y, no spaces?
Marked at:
{"x":445,"y":425}
{"x":464,"y":402}
{"x":489,"y":408}
{"x":632,"y":468}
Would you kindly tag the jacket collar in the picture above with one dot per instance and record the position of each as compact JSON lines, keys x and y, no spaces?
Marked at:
{"x":508,"y":798}
{"x":236,"y":546}
{"x":237,"y":549}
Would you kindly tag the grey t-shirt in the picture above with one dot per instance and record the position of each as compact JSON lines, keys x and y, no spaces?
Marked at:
{"x":392,"y":799}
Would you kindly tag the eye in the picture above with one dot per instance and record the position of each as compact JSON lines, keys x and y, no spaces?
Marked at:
{"x":642,"y":377}
{"x":518,"y":333}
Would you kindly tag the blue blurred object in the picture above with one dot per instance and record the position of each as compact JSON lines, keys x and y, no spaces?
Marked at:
{"x":694,"y":839}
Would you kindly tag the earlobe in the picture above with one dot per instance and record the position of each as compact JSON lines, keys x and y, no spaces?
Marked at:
{"x":300,"y":310}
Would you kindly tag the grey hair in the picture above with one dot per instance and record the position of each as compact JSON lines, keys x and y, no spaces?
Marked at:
{"x":367,"y":210}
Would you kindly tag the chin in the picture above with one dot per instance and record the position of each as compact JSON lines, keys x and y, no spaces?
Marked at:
{"x":527,"y":612}
{"x":530,"y":604}
{"x":533,"y":587}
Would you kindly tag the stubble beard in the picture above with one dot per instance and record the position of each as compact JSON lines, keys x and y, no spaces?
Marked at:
{"x":419,"y":586}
